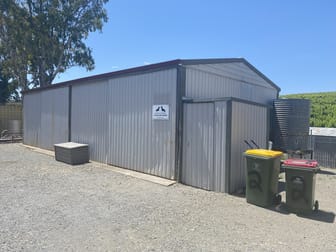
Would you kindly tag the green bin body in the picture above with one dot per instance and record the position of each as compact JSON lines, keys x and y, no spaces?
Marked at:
{"x":300,"y":186}
{"x":262,"y":174}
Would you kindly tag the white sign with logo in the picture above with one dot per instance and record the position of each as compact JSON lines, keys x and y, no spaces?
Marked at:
{"x":160,"y":112}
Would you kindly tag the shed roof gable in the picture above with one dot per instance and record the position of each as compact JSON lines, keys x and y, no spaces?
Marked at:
{"x":231,"y":61}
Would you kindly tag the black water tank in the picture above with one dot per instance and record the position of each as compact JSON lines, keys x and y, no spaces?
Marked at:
{"x":290,"y":124}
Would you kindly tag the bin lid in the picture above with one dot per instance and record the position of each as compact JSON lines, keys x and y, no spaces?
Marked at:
{"x":263,"y":153}
{"x":304,"y":163}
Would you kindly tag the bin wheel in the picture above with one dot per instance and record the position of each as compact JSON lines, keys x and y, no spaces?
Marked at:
{"x":277,"y":199}
{"x":316,"y":206}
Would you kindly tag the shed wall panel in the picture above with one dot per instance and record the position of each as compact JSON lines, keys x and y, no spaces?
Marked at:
{"x":54,"y":117}
{"x":115,"y":118}
{"x":198,"y":154}
{"x":89,"y":118}
{"x":227,"y":80}
{"x":220,"y":167}
{"x":46,"y":118}
{"x":248,"y":122}
{"x":234,"y":70}
{"x":204,"y":145}
{"x":31,"y":119}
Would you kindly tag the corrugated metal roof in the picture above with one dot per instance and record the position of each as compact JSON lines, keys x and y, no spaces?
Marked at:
{"x":155,"y":67}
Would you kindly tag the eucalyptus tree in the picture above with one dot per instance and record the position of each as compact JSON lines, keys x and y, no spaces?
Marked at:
{"x":41,"y":38}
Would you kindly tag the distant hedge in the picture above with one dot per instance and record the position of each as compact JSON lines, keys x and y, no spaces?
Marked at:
{"x":323,"y":108}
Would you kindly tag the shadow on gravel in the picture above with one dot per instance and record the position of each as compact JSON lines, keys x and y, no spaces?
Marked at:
{"x":321,"y":215}
{"x":326,"y":172}
{"x":242,"y":193}
{"x":279,"y":209}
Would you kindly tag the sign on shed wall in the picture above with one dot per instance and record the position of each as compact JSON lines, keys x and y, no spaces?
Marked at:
{"x":160,"y":112}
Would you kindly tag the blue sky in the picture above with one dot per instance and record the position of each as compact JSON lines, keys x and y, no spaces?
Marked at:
{"x":292,"y":42}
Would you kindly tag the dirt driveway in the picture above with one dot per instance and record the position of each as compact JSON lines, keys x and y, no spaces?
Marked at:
{"x":50,"y":206}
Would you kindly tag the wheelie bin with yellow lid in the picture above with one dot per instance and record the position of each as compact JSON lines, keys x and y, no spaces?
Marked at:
{"x":300,"y":185}
{"x":262,"y":174}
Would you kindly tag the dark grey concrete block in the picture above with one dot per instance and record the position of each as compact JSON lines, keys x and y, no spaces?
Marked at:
{"x":72,"y":153}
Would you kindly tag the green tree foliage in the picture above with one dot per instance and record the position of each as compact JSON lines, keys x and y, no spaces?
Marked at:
{"x":8,"y":86}
{"x":13,"y":34}
{"x":4,"y":89}
{"x":323,"y":108}
{"x":40,"y":39}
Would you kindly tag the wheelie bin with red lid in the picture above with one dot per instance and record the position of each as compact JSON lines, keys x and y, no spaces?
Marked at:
{"x":262,"y":173}
{"x":300,"y":185}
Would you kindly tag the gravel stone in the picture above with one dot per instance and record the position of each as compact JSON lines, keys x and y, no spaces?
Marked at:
{"x":46,"y":205}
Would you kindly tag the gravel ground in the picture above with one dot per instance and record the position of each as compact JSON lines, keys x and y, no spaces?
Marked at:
{"x":51,"y":206}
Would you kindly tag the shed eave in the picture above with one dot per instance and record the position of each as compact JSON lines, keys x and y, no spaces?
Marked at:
{"x":156,"y":67}
{"x":115,"y":74}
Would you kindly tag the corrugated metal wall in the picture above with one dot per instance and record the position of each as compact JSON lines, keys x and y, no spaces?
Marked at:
{"x":324,"y":150}
{"x":204,"y":145}
{"x":89,"y":118}
{"x":198,"y":144}
{"x":227,"y":80}
{"x":248,"y":122}
{"x":32,"y":118}
{"x":115,"y":118}
{"x":54,"y":117}
{"x":221,"y":169}
{"x":46,"y":117}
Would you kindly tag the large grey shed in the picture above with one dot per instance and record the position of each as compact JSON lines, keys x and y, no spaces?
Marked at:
{"x":184,"y":120}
